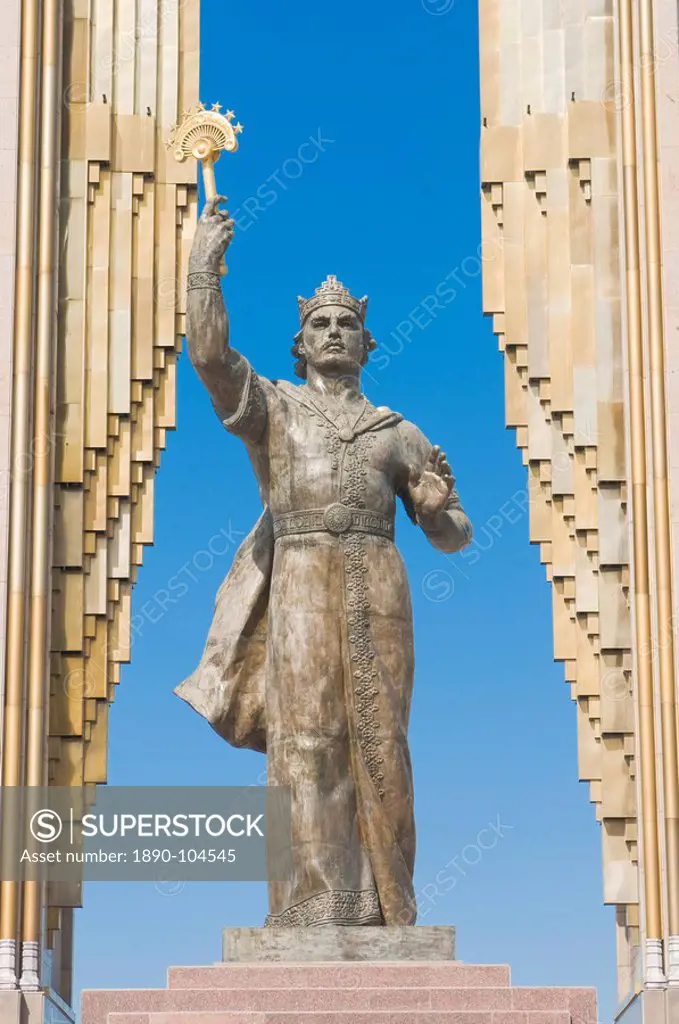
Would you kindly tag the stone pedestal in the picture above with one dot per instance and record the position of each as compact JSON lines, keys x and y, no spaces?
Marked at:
{"x":652,"y":1006}
{"x":11,"y":1006}
{"x":255,"y":989}
{"x":33,"y":1008}
{"x":332,"y":943}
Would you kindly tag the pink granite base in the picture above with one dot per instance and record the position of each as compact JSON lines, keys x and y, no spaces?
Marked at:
{"x":340,"y":993}
{"x":348,"y":974}
{"x":331,"y":1016}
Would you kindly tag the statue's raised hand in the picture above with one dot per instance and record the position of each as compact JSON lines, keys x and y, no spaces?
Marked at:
{"x":213,"y":237}
{"x":431,"y":488}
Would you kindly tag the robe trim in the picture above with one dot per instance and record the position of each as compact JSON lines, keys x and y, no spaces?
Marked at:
{"x":335,"y":906}
{"x":249,"y":419}
{"x":370,"y":418}
{"x":362,"y":653}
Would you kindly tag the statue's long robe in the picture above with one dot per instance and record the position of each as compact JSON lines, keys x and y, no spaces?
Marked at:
{"x":310,"y":654}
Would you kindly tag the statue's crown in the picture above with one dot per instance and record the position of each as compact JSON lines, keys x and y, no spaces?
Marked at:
{"x":332,"y":293}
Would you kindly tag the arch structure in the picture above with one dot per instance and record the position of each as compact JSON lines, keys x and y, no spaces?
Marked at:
{"x":580,"y":206}
{"x":580,"y":195}
{"x":98,"y":218}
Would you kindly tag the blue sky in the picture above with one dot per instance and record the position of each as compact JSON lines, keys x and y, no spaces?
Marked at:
{"x":385,"y":194}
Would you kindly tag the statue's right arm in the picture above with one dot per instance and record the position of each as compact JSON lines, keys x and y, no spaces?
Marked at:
{"x":225,"y":373}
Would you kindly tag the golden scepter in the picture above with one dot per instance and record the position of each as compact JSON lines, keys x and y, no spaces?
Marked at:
{"x":205,"y":134}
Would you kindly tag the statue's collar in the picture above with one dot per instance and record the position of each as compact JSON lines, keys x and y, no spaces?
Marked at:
{"x":367,"y":417}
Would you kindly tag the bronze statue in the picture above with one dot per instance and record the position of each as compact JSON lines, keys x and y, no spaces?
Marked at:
{"x":310,"y":654}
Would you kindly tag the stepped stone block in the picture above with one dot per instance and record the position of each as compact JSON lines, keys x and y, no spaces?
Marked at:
{"x":344,"y":975}
{"x":331,"y":1017}
{"x":338,"y":993}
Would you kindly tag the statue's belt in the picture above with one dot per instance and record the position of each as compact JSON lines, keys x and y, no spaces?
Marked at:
{"x":336,"y":519}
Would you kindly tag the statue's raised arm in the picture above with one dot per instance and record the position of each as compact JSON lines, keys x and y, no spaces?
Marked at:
{"x":223,"y":370}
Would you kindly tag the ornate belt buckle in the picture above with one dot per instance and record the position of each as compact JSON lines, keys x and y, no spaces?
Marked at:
{"x":337,"y":518}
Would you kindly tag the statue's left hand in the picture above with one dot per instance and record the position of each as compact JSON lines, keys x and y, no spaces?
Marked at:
{"x":431,"y":488}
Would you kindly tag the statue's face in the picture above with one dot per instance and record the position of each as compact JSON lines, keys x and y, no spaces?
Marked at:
{"x":333,"y":341}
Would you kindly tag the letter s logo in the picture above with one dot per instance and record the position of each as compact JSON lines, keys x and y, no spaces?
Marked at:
{"x":46,"y":826}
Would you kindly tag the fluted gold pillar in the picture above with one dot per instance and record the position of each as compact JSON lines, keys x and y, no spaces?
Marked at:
{"x":42,"y":457}
{"x":644,"y":652}
{"x":661,"y":500}
{"x":23,"y":361}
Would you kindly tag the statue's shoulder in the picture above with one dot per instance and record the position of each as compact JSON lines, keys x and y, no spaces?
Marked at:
{"x":413,"y":439}
{"x":382,"y":416}
{"x":383,"y":410}
{"x":286,"y":387}
{"x":404,"y":426}
{"x":285,"y":392}
{"x":275,"y":388}
{"x":408,"y":427}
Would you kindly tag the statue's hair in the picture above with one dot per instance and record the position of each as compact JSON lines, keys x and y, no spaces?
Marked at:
{"x":369,"y":344}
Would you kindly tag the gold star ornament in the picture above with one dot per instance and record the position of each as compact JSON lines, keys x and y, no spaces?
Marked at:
{"x":204,"y":135}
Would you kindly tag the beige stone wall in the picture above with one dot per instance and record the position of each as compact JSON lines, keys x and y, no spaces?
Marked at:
{"x":10,"y":13}
{"x":552,"y":284}
{"x":667,"y":76}
{"x":127,"y":216}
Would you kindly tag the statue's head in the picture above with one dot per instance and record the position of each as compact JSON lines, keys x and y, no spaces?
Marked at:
{"x":333,"y":338}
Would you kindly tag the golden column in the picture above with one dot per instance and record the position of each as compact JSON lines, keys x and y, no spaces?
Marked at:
{"x":103,"y":244}
{"x":644,"y":646}
{"x":19,"y":530}
{"x":42,"y":456}
{"x":661,"y":499}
